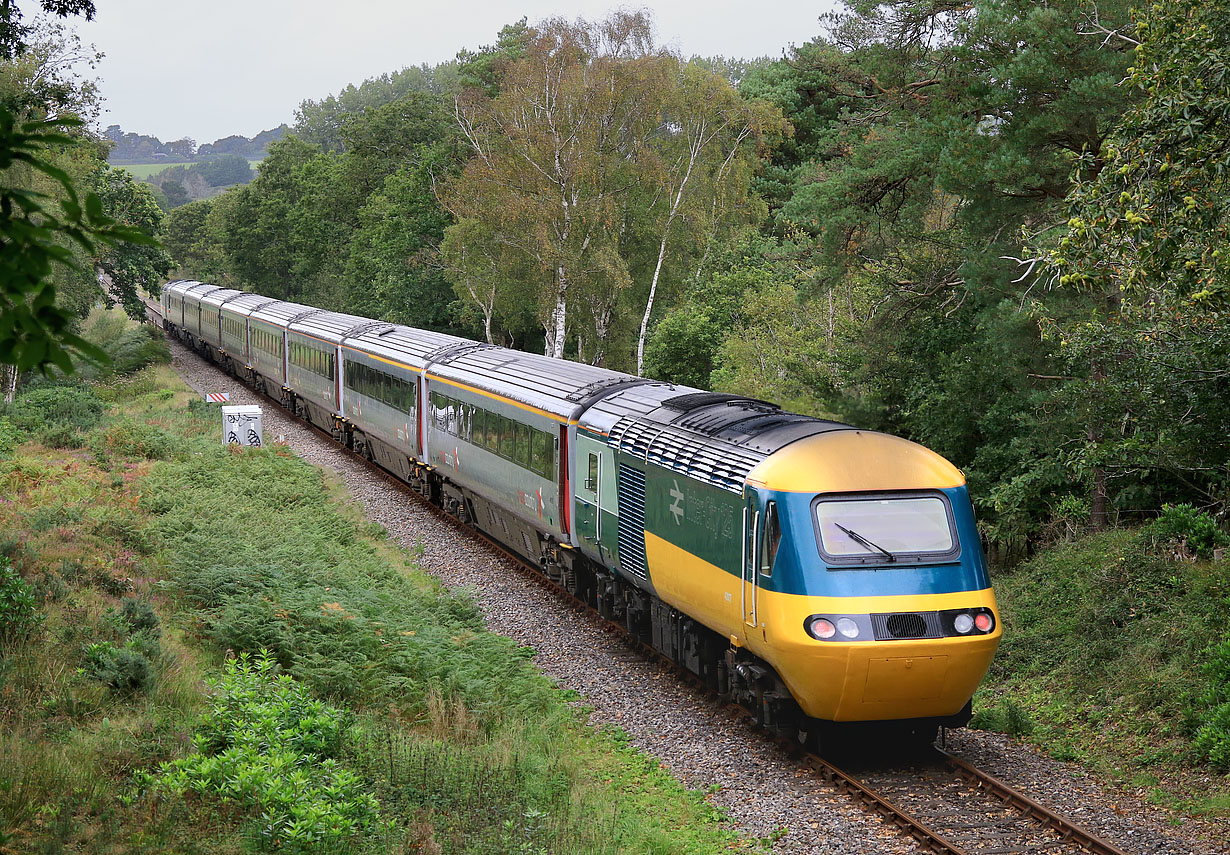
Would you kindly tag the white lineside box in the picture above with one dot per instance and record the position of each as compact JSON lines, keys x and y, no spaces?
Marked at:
{"x":242,"y":426}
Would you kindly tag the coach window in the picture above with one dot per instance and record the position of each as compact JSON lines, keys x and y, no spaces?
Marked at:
{"x":522,"y":451}
{"x":495,"y":429}
{"x":478,"y":426}
{"x":543,"y":461}
{"x":508,"y":439}
{"x":770,"y":540}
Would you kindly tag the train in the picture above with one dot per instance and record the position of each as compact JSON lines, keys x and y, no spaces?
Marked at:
{"x":815,"y":573}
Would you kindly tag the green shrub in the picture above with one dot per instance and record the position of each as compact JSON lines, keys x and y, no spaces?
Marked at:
{"x":60,"y":435}
{"x":19,"y":614}
{"x":11,"y":436}
{"x":136,"y":348}
{"x":123,"y":669}
{"x":1007,"y":716}
{"x":72,"y":405}
{"x":139,"y":616}
{"x":249,"y":626}
{"x":268,"y":744}
{"x":131,"y":439}
{"x":1185,"y":523}
{"x":1212,"y":740}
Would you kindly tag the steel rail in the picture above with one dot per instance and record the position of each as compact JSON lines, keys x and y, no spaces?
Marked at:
{"x":929,"y":839}
{"x":1068,"y":830}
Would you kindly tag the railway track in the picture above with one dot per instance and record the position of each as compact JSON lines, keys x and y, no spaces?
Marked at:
{"x":947,"y":805}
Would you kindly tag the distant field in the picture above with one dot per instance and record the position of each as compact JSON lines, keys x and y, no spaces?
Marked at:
{"x":145,"y":170}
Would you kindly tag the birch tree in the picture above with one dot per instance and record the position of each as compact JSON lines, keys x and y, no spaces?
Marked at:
{"x":555,"y":149}
{"x":708,"y":133}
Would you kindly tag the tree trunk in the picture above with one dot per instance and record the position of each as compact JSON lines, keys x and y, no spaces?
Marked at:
{"x":653,"y":290}
{"x":602,"y":330}
{"x":557,"y":326}
{"x":8,"y":380}
{"x":1098,"y":516}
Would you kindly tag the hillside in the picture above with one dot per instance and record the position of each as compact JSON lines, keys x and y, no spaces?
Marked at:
{"x":207,"y":649}
{"x":1116,"y":653}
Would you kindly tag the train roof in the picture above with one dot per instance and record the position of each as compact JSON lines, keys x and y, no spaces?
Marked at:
{"x":710,"y":436}
{"x":403,"y":345}
{"x":245,"y":304}
{"x":179,"y":285}
{"x":329,"y":326}
{"x":280,"y":313}
{"x":556,"y":386}
{"x":220,"y":296}
{"x":196,"y":290}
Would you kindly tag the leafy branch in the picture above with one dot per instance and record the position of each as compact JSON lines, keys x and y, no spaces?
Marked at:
{"x":34,"y":331}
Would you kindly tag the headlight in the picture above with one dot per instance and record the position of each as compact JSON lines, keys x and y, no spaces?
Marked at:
{"x":819,"y":627}
{"x":963,"y":624}
{"x":847,"y":627}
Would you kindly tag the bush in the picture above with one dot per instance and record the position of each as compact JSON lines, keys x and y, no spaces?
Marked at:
{"x":128,"y":439}
{"x":1213,"y":738}
{"x":268,"y":744}
{"x":60,"y":435}
{"x":136,"y":348}
{"x":1184,"y":523}
{"x":74,"y":406}
{"x":19,"y":614}
{"x":1007,"y":716}
{"x":123,"y":669}
{"x":250,"y":626}
{"x":139,"y":616}
{"x":11,"y":436}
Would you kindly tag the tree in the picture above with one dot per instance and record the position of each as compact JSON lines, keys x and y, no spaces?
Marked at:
{"x":131,"y":268}
{"x":926,"y":137}
{"x":320,"y":122}
{"x":392,"y":270}
{"x":34,"y":330}
{"x":552,"y":153}
{"x":13,"y":34}
{"x":225,"y":170}
{"x":1143,"y":254}
{"x":185,"y":148}
{"x":699,"y":162}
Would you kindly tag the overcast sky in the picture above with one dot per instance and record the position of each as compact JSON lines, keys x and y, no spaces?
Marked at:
{"x":207,"y":70}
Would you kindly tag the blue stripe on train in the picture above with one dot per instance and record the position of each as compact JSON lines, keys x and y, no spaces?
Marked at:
{"x":799,"y":568}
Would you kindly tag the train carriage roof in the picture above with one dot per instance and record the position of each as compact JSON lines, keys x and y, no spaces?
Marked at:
{"x":329,"y":326}
{"x":400,"y":344}
{"x":279,"y":313}
{"x":245,"y":304}
{"x":220,"y":296}
{"x":709,"y":436}
{"x":196,"y":290}
{"x":556,"y":386}
{"x":178,"y":286}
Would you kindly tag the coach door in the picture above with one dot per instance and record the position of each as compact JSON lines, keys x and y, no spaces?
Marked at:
{"x":761,"y":537}
{"x":751,"y":533}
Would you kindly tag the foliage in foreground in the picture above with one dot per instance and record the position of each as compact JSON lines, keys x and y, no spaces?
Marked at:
{"x":114,"y":628}
{"x":268,"y":743}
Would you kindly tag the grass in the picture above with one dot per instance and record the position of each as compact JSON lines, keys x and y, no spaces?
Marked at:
{"x":1110,"y":658}
{"x":142,"y":171}
{"x":155,"y":555}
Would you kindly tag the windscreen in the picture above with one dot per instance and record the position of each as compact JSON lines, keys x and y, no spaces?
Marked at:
{"x":884,"y":528}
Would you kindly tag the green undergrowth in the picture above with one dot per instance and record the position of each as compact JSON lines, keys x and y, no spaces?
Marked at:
{"x":1116,"y":653}
{"x":207,"y":649}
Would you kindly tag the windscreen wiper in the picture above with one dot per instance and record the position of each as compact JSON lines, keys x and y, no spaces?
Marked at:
{"x":864,"y":542}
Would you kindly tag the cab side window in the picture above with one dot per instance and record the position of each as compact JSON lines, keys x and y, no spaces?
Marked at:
{"x":770,"y":540}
